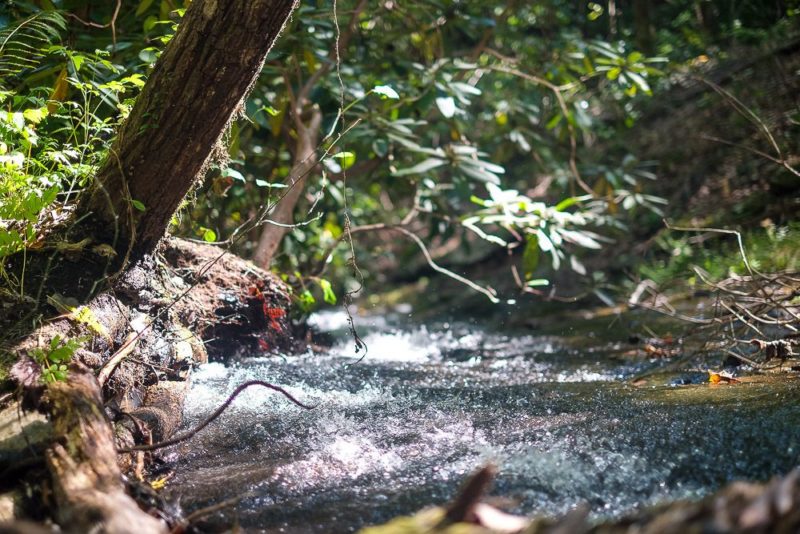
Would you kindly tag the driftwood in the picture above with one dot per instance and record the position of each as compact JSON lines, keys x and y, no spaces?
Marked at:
{"x":87,"y":482}
{"x":737,"y":508}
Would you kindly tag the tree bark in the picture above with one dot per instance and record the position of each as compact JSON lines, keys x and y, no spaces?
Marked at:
{"x":643,"y":26}
{"x":87,"y":482}
{"x":196,"y":88}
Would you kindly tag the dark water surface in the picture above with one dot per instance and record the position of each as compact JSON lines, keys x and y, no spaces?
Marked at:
{"x":429,"y":404}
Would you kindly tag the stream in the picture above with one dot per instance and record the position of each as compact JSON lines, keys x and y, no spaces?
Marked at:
{"x":401,"y":429}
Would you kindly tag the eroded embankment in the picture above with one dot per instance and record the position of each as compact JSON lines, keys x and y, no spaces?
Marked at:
{"x":126,"y":384}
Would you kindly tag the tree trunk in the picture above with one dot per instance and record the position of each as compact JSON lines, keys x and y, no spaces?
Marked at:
{"x":305,"y":159}
{"x":643,"y":26}
{"x":305,"y":154}
{"x":196,"y":88}
{"x":706,"y":16}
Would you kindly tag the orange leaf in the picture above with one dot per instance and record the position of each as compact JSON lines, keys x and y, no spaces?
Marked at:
{"x":59,"y":93}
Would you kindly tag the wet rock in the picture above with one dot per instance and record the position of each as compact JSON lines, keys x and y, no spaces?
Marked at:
{"x":19,"y":432}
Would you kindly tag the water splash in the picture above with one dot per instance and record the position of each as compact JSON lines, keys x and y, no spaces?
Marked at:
{"x":399,"y":430}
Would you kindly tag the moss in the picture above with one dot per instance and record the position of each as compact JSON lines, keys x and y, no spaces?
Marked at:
{"x":6,"y":361}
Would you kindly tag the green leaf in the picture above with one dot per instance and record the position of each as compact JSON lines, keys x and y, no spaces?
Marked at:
{"x":136,"y":80}
{"x":552,"y":123}
{"x":60,"y":354}
{"x":477,"y":200}
{"x":327,"y":292}
{"x":479,"y":174}
{"x":634,"y":57}
{"x":422,"y":167}
{"x":234,"y":144}
{"x":530,"y":258}
{"x":385,"y":92}
{"x":577,"y":265}
{"x":465,"y":88}
{"x":138,"y":205}
{"x":485,"y":165}
{"x":566,"y":203}
{"x":306,"y":300}
{"x":641,"y":82}
{"x":25,"y":43}
{"x":233,"y":173}
{"x":77,"y":61}
{"x":447,"y":105}
{"x":209,"y":236}
{"x":347,"y":158}
{"x":537,"y":282}
{"x":142,"y":7}
{"x":50,"y":194}
{"x":580,"y":238}
{"x":608,"y":301}
{"x":149,"y":55}
{"x":613,"y":73}
{"x":264,"y":183}
{"x":35,"y":116}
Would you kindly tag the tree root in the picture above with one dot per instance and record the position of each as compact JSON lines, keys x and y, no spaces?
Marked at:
{"x":208,"y":420}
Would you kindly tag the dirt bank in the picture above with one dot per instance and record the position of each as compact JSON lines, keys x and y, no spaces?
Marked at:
{"x":139,"y":340}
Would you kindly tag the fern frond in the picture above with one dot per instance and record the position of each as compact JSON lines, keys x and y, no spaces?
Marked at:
{"x":23,"y":45}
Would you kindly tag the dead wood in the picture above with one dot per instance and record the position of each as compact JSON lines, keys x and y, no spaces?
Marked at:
{"x":87,"y":482}
{"x":144,"y":356}
{"x":216,"y":413}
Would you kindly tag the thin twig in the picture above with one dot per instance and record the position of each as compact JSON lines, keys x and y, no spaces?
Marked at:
{"x":782,"y":162}
{"x":197,"y":514}
{"x":573,"y":141}
{"x":125,"y":349}
{"x":439,"y":269}
{"x":112,"y":23}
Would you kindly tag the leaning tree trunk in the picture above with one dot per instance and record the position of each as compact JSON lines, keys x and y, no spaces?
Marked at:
{"x":195,"y":90}
{"x":197,"y":87}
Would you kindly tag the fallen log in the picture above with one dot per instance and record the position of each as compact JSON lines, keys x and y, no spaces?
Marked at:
{"x":740,"y":507}
{"x":87,"y":482}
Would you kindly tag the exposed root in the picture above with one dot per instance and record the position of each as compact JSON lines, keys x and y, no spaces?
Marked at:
{"x":135,"y":365}
{"x":208,"y":420}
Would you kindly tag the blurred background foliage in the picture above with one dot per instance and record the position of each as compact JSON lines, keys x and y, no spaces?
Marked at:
{"x":519,"y":129}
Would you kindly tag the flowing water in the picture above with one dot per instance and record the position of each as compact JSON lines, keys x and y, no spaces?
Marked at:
{"x":428,"y":404}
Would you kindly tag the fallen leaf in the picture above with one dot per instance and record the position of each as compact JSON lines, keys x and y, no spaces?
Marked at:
{"x":720,"y":377}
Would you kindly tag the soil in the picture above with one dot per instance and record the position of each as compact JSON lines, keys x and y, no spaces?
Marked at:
{"x":144,"y":332}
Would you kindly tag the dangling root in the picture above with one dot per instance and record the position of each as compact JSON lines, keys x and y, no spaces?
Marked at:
{"x":208,"y":420}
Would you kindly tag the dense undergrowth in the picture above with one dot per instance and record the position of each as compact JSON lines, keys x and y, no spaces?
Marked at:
{"x":554,"y":151}
{"x":770,"y":249}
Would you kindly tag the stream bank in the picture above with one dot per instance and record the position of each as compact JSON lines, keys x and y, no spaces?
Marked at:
{"x":127,"y":381}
